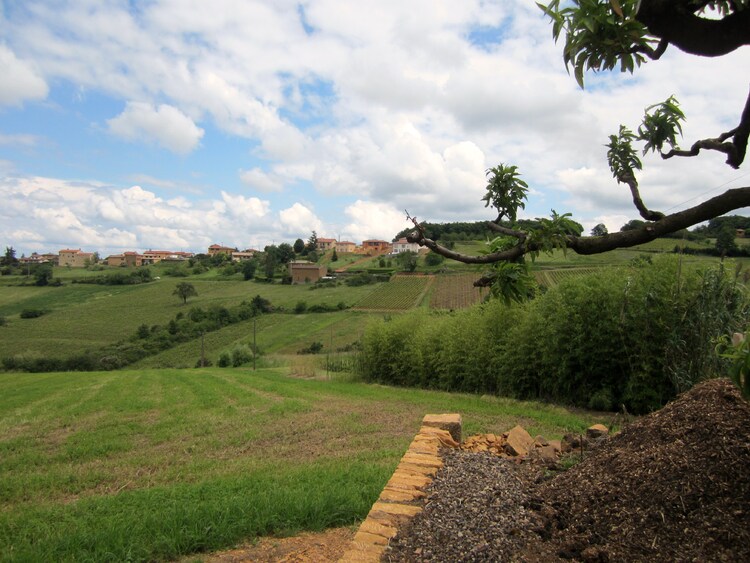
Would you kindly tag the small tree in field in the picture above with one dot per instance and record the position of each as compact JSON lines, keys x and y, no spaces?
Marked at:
{"x":601,"y":35}
{"x":407,"y":260}
{"x":248,"y":269}
{"x":725,"y":244}
{"x":299,"y":246}
{"x":599,"y":231}
{"x":183,"y":290}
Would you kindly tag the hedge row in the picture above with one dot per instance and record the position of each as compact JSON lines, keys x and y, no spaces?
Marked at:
{"x":632,"y":336}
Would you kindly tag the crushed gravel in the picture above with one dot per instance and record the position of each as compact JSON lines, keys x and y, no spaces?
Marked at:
{"x":474,"y":512}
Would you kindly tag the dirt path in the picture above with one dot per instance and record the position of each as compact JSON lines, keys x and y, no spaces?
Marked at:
{"x":360,"y":261}
{"x":305,"y":548}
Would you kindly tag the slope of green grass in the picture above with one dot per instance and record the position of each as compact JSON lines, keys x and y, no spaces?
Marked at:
{"x":153,"y":465}
{"x":274,"y":334}
{"x":85,"y":316}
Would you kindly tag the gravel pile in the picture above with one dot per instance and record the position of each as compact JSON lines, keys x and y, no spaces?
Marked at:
{"x":474,"y":512}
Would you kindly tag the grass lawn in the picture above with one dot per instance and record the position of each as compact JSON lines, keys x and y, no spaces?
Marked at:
{"x":157,"y":464}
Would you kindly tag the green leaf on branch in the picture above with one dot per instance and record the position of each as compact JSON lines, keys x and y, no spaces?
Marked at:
{"x":551,"y":234}
{"x":661,"y":126}
{"x":599,"y":34}
{"x":506,"y":192}
{"x":512,"y":281}
{"x":622,"y":157}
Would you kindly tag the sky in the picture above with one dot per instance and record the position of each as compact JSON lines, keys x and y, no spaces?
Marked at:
{"x":176,"y":124}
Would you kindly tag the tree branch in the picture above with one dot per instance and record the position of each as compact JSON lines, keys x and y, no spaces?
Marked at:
{"x":735,"y":150}
{"x":677,"y":23}
{"x":493,"y":226}
{"x":645,"y":212}
{"x":714,"y":207}
{"x":653,"y":54}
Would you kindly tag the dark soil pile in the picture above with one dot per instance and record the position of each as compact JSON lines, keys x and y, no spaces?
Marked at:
{"x":673,"y":486}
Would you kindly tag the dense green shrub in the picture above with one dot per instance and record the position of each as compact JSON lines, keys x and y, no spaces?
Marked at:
{"x":360,"y":279}
{"x":632,"y":336}
{"x":32,"y":313}
{"x":141,"y":275}
{"x":239,"y":355}
{"x":313,"y":348}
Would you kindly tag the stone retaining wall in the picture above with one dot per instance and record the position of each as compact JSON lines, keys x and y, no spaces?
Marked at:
{"x":396,"y":505}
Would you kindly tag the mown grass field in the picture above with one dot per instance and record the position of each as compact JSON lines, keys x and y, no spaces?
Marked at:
{"x":157,"y":464}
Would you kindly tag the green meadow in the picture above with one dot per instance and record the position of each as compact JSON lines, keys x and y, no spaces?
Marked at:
{"x":82,"y":316}
{"x":154,"y":462}
{"x":157,"y":464}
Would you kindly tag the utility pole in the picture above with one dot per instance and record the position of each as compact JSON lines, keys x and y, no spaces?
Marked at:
{"x":203,"y":350}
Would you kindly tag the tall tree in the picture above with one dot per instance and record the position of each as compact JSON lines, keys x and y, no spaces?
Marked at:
{"x":299,"y":246}
{"x":248,"y":268}
{"x":601,"y":35}
{"x":270,"y":260}
{"x":285,"y":253}
{"x":183,"y":290}
{"x":312,"y":243}
{"x":43,"y":274}
{"x":10,"y":256}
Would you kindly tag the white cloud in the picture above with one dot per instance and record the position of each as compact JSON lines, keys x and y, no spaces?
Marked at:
{"x":165,"y":125}
{"x":110,"y":219}
{"x":373,"y":220}
{"x":20,"y":80}
{"x":299,"y":221}
{"x":260,"y":180}
{"x":22,"y":140}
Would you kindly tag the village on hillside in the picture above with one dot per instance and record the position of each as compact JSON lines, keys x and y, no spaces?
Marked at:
{"x":77,"y":258}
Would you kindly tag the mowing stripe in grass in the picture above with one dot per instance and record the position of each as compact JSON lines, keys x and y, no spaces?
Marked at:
{"x":167,"y":522}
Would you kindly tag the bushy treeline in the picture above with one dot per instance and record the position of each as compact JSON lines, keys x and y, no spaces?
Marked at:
{"x":632,"y":336}
{"x":141,"y":275}
{"x":733,"y":251}
{"x":715,"y":225}
{"x":476,"y":230}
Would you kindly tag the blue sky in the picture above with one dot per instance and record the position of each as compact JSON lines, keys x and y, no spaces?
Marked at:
{"x":175,"y":124}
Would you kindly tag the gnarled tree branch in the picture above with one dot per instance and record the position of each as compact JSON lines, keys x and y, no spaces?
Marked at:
{"x":714,"y":207}
{"x":645,"y":212}
{"x":735,"y":150}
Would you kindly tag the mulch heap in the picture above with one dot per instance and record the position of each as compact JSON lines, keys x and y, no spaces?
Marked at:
{"x":672,"y":486}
